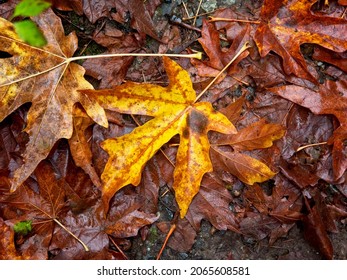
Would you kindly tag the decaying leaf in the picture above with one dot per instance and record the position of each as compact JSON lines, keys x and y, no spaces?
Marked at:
{"x":175,"y":112}
{"x":219,"y":57}
{"x":45,"y":78}
{"x":79,"y":147}
{"x":330,"y":99}
{"x":286,"y":25}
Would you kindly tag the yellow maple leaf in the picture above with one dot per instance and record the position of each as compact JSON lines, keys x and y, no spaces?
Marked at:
{"x":175,"y":112}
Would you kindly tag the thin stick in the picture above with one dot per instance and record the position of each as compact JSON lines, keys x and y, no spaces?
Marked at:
{"x":185,"y":8}
{"x":74,"y":236}
{"x":197,"y":12}
{"x":172,"y":229}
{"x":310,"y":145}
{"x":118,"y":248}
{"x":199,"y":15}
{"x":214,"y":19}
{"x":244,"y":47}
{"x":197,"y":55}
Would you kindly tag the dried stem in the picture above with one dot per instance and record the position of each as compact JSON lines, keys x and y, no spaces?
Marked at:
{"x":310,"y":145}
{"x":197,"y":12}
{"x":197,"y":55}
{"x":172,"y":229}
{"x":243,"y":48}
{"x":118,"y":248}
{"x":74,"y":236}
{"x":199,"y":15}
{"x":214,"y":19}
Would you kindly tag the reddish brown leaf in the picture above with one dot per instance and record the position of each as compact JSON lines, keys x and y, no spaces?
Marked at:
{"x":286,"y":25}
{"x":233,"y":110}
{"x":141,"y":19}
{"x":330,"y":99}
{"x":124,"y":220}
{"x":111,"y":71}
{"x":7,"y":245}
{"x":315,"y":231}
{"x":337,"y":59}
{"x":40,"y":207}
{"x":284,"y":203}
{"x":218,"y":57}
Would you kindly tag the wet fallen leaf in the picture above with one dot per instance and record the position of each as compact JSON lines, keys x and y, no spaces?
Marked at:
{"x":175,"y":112}
{"x":42,"y":208}
{"x":249,"y":170}
{"x":124,"y":220}
{"x":79,"y":146}
{"x":7,"y":246}
{"x":219,"y":57}
{"x":286,"y":25}
{"x":329,"y":99}
{"x":45,"y":78}
{"x":315,"y":231}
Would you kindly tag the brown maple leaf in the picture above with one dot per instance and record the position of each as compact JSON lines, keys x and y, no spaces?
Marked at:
{"x":46,"y":78}
{"x":124,"y":220}
{"x":218,"y":56}
{"x":42,"y":208}
{"x":286,"y":25}
{"x":330,"y":99}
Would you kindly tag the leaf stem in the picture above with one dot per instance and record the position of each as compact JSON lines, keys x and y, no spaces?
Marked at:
{"x":243,"y":48}
{"x":214,"y":19}
{"x":74,"y":236}
{"x":310,"y":145}
{"x":197,"y":55}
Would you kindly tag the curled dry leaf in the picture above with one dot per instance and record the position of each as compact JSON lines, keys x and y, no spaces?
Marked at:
{"x":47,"y":79}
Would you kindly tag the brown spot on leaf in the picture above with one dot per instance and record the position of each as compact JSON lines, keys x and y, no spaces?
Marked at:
{"x":197,"y":122}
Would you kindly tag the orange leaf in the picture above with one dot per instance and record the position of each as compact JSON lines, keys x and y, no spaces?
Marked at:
{"x":258,"y":135}
{"x":175,"y":112}
{"x":46,"y":78}
{"x":79,"y":146}
{"x":249,"y":170}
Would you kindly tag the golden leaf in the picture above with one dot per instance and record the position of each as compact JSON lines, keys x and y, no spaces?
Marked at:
{"x":175,"y":112}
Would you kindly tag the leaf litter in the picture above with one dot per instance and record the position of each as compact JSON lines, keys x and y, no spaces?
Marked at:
{"x":238,"y":197}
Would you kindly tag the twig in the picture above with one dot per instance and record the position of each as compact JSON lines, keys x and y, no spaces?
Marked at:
{"x":197,"y":12}
{"x":118,"y":248}
{"x":199,"y":15}
{"x":185,"y":8}
{"x":214,"y":19}
{"x":172,"y":229}
{"x":74,"y":236}
{"x":310,"y":145}
{"x":197,"y":55}
{"x":243,"y":48}
{"x":185,"y":25}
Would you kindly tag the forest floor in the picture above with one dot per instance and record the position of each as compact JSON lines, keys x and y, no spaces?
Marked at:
{"x":210,"y":243}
